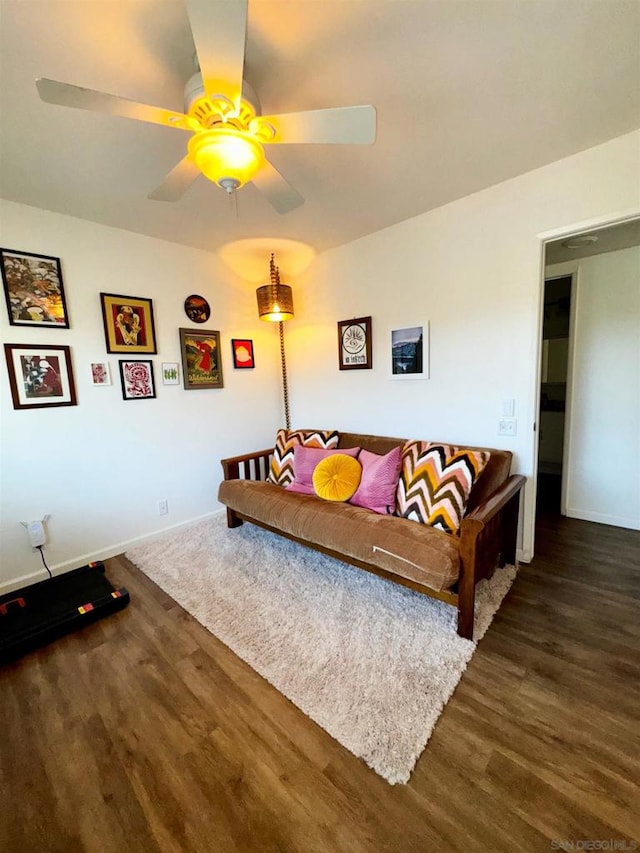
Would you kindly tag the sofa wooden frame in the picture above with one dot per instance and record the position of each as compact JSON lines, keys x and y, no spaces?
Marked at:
{"x":488,"y":537}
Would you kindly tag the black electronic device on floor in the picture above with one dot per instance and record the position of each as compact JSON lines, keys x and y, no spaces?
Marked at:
{"x":35,"y":615}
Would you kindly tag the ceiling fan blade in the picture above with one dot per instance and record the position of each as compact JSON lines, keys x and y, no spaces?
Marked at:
{"x":68,"y":95}
{"x":219,"y":30}
{"x":279,"y":192}
{"x":177,"y":181}
{"x":343,"y":125}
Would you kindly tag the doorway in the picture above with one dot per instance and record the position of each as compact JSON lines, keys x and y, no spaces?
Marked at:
{"x":589,"y":411}
{"x":553,"y":393}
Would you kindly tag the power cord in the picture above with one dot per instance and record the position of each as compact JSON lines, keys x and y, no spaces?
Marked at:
{"x":39,"y":547}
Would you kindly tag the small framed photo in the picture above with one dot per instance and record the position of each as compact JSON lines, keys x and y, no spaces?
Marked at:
{"x":40,"y":376}
{"x":137,"y":380}
{"x":33,"y":289}
{"x":201,"y":359}
{"x":354,"y":344}
{"x":409,"y":357}
{"x":242,"y":353}
{"x":170,"y":373}
{"x":128,"y":324}
{"x":100,"y":373}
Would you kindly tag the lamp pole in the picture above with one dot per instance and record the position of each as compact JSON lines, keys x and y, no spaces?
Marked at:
{"x":285,"y":384}
{"x":275,"y":303}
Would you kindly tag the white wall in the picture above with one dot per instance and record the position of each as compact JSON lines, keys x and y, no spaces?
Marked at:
{"x":100,"y":468}
{"x":472,"y":268}
{"x":603,"y":464}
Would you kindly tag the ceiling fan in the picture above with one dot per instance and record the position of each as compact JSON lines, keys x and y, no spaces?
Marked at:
{"x":223,"y":114}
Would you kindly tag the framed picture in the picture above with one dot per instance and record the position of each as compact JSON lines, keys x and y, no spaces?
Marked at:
{"x":201,"y":359}
{"x":100,"y":373}
{"x":410,"y":352}
{"x":242,"y":353}
{"x":40,"y":376}
{"x":354,"y":344}
{"x":34,"y":290}
{"x":137,"y":380}
{"x":197,"y":308}
{"x":128,"y":324}
{"x":170,"y":373}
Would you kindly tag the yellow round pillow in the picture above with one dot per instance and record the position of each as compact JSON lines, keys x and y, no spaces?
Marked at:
{"x":337,"y":477}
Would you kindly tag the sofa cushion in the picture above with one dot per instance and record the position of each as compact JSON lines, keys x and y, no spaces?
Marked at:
{"x":379,"y":483}
{"x":435,"y":483}
{"x":281,"y":468}
{"x":416,"y":552}
{"x":305,"y":460}
{"x":337,"y":477}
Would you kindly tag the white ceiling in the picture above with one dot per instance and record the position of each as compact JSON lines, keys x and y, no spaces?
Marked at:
{"x":468,"y":93}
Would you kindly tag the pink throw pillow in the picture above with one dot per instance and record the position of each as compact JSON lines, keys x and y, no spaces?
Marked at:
{"x":305,"y":460}
{"x":377,"y":489}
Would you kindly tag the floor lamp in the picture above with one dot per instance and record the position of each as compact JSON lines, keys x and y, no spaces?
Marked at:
{"x":275,"y":304}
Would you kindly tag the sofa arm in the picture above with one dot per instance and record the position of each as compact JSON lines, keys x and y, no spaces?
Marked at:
{"x":250,"y":466}
{"x":499,"y":499}
{"x":487,"y":534}
{"x":491,"y":530}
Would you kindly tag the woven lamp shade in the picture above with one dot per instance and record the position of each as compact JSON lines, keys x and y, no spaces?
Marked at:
{"x":275,"y":302}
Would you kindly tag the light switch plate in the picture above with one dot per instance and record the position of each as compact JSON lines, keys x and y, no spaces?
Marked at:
{"x":508,"y":408}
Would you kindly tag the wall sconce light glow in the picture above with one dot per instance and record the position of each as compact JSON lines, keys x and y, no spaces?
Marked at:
{"x":226,"y":156}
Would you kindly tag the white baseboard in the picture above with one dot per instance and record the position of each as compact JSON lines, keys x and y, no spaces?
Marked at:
{"x":103,"y":554}
{"x":600,"y":518}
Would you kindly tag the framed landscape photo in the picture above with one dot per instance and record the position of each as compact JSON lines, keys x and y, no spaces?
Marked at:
{"x":354,"y":344}
{"x":242,"y":349}
{"x":410,"y":352}
{"x":40,"y":376}
{"x":201,"y":358}
{"x":33,"y":289}
{"x":137,"y":380}
{"x":128,"y":324}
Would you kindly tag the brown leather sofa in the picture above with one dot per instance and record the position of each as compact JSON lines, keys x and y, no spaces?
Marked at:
{"x":425,"y":559}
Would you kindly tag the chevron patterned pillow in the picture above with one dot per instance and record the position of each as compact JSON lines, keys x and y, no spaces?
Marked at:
{"x":436,"y":481}
{"x":281,"y":471}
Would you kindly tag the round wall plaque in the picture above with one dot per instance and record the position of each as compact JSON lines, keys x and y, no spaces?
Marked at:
{"x":197,"y":308}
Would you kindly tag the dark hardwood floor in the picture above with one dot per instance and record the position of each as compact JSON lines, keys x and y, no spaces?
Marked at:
{"x":144,"y":733}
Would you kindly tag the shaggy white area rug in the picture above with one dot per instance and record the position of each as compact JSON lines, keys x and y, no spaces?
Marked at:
{"x":371,"y":662}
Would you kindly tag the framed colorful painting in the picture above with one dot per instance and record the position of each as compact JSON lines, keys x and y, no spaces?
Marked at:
{"x":410,"y":352}
{"x":40,"y":376}
{"x":137,"y":380}
{"x":33,"y":289}
{"x":201,"y":359}
{"x":128,"y":324}
{"x":354,"y":344}
{"x":242,"y":350}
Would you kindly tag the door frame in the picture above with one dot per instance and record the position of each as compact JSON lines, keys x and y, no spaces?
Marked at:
{"x":574,"y":230}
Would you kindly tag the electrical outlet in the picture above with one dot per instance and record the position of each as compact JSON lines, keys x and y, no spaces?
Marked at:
{"x":507,"y":426}
{"x":163,"y":507}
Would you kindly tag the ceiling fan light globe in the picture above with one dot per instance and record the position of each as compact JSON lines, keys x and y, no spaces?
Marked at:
{"x":226,"y":155}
